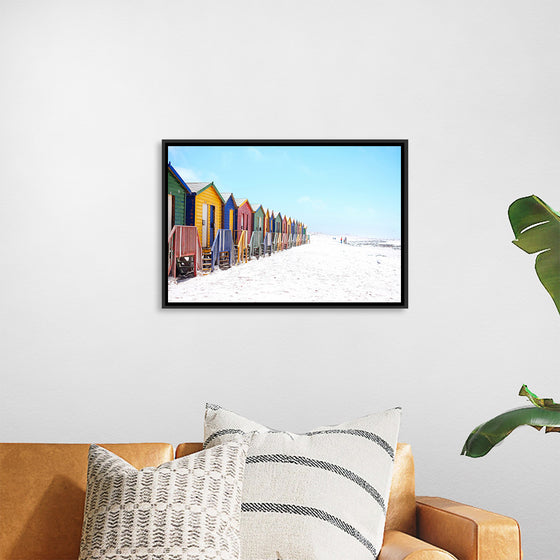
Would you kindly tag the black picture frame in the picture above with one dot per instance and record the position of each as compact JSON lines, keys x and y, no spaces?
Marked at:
{"x":402,"y":303}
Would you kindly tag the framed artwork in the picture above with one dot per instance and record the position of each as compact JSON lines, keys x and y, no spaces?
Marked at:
{"x":284,"y":223}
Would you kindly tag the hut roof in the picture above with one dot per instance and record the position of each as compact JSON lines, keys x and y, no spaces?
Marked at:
{"x":177,"y":176}
{"x":226,"y":195}
{"x":197,"y":188}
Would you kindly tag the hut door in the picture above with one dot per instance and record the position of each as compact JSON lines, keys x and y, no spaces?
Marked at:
{"x":205,"y":225}
{"x":212,"y":219}
{"x":170,"y":216}
{"x":231,"y":220}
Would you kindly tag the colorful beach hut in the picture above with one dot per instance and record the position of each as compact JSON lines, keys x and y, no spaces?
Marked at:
{"x":267,"y":235}
{"x":244,"y":216}
{"x":289,"y":231}
{"x":278,"y":231}
{"x":230,"y":223}
{"x":258,"y":231}
{"x":258,"y":219}
{"x":230,"y":211}
{"x":242,"y":237}
{"x":177,"y":193}
{"x":205,"y":211}
{"x":183,"y":243}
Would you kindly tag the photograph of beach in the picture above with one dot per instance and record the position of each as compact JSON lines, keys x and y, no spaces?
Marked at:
{"x":285,"y":224}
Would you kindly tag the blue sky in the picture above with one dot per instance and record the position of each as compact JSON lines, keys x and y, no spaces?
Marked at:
{"x":340,"y":190}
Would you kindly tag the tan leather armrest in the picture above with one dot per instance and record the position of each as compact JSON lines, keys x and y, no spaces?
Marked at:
{"x":400,"y":546}
{"x":467,"y":532}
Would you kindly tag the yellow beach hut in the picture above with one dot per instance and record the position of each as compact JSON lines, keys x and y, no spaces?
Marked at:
{"x":206,"y":211}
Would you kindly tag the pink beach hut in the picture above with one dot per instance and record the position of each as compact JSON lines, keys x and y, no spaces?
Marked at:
{"x":244,"y":216}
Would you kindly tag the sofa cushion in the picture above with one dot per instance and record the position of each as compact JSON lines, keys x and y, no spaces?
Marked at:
{"x":186,"y":509}
{"x":42,"y":492}
{"x":322,"y":494}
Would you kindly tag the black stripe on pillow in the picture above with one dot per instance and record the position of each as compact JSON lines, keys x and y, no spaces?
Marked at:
{"x":360,"y":433}
{"x":315,"y":463}
{"x":311,"y":512}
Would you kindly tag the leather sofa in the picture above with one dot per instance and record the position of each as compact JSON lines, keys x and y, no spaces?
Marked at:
{"x":42,"y":492}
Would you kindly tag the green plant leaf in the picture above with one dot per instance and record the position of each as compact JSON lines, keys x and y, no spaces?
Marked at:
{"x":541,"y":403}
{"x":544,"y":413}
{"x":483,"y":438}
{"x":536,"y":227}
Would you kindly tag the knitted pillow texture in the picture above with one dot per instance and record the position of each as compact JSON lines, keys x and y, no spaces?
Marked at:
{"x":321,"y":495}
{"x":187,"y":509}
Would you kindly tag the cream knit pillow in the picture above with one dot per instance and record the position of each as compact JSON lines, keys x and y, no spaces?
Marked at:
{"x":187,"y":509}
{"x":321,"y":495}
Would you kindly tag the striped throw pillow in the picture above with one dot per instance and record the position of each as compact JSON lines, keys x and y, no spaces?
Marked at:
{"x":321,"y":495}
{"x":187,"y":509}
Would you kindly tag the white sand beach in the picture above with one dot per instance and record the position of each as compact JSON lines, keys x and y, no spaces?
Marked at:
{"x":364,"y":270}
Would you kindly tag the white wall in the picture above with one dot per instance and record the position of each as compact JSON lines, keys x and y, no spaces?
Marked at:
{"x":89,"y":90}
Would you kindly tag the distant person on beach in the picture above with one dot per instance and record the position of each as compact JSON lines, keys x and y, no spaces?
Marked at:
{"x":345,"y":240}
{"x":341,"y":239}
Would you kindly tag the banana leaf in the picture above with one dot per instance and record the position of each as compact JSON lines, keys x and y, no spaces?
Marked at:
{"x":537,"y":401}
{"x":544,"y":413}
{"x":536,"y":227}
